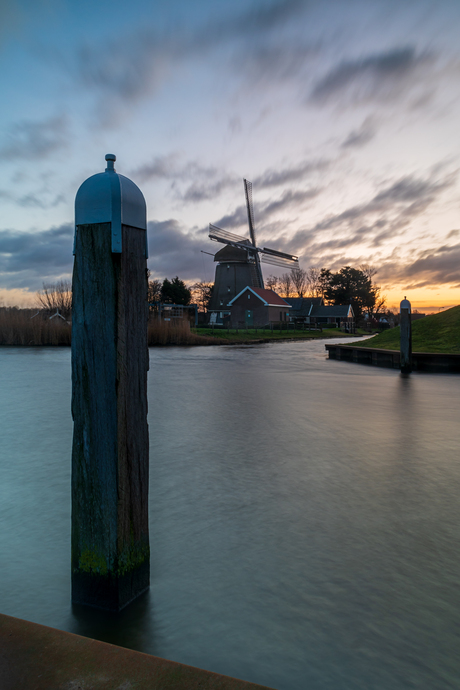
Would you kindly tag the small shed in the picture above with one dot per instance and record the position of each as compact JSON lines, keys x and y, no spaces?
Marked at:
{"x":256,"y":307}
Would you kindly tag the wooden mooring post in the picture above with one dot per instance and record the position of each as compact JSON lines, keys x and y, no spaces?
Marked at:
{"x":110,"y":539}
{"x":405,"y":360}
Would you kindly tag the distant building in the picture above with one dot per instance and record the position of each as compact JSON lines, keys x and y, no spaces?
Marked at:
{"x":302,"y":307}
{"x":341,"y":315}
{"x":256,"y":307}
{"x":312,"y":310}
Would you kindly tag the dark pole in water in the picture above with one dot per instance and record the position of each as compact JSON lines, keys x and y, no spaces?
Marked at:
{"x":406,"y":337}
{"x":110,"y":540}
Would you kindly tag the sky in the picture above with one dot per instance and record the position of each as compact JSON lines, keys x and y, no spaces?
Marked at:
{"x":344,"y":114}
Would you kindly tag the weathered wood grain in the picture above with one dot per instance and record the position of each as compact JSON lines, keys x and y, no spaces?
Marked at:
{"x":110,"y":542}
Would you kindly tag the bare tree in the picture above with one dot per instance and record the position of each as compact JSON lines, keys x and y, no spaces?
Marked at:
{"x":299,"y":280}
{"x":56,"y":297}
{"x":272,"y":283}
{"x":368,"y":270}
{"x":285,"y":283}
{"x":201,"y":294}
{"x":380,"y":300}
{"x":313,"y":286}
{"x":154,"y":291}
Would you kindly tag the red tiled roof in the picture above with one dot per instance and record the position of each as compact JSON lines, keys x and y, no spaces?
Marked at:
{"x":270,"y":297}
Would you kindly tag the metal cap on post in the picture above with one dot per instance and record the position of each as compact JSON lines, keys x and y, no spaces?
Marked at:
{"x":405,"y":361}
{"x":110,"y":461}
{"x":109,"y":197}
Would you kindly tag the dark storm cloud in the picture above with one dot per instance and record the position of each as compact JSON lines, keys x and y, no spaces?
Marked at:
{"x":383,"y":75}
{"x":35,"y":140}
{"x":28,"y":258}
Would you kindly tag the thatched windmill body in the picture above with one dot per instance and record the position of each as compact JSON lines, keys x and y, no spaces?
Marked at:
{"x":238,"y":263}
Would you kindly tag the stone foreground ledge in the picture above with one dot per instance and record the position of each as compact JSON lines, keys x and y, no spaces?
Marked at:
{"x":35,"y":657}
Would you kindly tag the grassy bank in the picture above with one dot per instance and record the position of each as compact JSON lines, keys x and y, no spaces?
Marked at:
{"x":435,"y":333}
{"x":243,"y":335}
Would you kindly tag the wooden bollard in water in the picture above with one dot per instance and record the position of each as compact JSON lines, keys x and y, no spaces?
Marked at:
{"x":405,"y":337}
{"x":110,"y":462}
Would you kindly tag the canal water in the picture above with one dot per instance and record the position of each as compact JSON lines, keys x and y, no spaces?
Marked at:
{"x":304,"y":516}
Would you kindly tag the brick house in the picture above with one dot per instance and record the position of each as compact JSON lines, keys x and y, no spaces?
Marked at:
{"x":256,"y":307}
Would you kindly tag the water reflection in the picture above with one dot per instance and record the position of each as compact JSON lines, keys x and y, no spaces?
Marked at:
{"x":304,"y":516}
{"x":129,"y":628}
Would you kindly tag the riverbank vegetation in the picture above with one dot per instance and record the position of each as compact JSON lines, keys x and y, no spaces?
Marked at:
{"x":31,"y":327}
{"x":435,"y":333}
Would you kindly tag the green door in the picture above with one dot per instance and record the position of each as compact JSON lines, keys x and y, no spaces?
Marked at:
{"x":249,"y":317}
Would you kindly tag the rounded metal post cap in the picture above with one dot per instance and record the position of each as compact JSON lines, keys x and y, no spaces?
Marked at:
{"x":405,"y":304}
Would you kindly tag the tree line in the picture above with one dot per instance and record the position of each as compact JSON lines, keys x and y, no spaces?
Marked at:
{"x":349,"y":285}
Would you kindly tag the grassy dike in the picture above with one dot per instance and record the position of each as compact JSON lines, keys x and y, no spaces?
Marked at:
{"x":438,"y":333}
{"x":251,"y":335}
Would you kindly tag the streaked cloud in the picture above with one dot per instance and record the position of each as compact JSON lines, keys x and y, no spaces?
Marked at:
{"x":379,"y":76}
{"x":432,"y":266}
{"x":31,"y":139}
{"x":361,"y":136}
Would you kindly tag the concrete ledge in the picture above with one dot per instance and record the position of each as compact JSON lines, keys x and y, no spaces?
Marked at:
{"x":434,"y":362}
{"x":35,"y":657}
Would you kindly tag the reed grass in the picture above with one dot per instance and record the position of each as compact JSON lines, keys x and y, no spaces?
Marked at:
{"x":17,"y":327}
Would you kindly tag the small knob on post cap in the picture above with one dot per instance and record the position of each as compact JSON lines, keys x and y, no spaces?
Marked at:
{"x":110,"y":158}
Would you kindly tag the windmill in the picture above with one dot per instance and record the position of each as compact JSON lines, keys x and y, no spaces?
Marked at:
{"x":239,"y":262}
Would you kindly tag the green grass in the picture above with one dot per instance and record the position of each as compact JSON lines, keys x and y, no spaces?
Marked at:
{"x":435,"y":333}
{"x":243,"y":335}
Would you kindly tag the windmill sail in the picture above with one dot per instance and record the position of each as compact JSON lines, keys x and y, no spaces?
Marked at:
{"x":224,"y":236}
{"x":276,"y":258}
{"x":250,"y":209}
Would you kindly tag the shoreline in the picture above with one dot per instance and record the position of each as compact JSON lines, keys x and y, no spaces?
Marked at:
{"x":215,"y":341}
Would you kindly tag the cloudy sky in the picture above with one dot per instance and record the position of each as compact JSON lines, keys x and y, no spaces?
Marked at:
{"x":343,"y":113}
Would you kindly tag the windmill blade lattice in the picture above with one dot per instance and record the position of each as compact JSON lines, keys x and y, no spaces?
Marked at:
{"x":250,"y":209}
{"x":224,"y":236}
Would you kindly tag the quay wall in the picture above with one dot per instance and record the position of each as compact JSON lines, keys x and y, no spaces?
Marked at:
{"x":41,"y":658}
{"x":421,"y":361}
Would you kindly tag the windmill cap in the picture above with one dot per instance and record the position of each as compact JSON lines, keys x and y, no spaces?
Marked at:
{"x":105,"y":196}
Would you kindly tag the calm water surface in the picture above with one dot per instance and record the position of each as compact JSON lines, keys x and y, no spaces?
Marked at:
{"x":305,"y":517}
